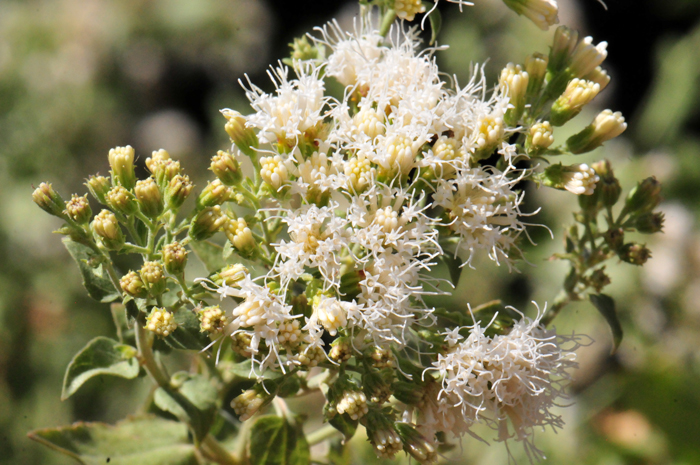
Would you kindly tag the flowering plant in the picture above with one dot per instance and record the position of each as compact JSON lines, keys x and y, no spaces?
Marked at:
{"x":323,"y":233}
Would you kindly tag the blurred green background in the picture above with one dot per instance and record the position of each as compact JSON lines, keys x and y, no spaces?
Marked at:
{"x":78,"y":77}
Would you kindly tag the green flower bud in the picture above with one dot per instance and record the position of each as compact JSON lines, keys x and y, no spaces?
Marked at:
{"x":650,"y":223}
{"x":514,"y":81}
{"x":377,"y":384}
{"x":244,"y":138}
{"x":78,"y":209}
{"x":541,"y":12}
{"x":161,"y":322}
{"x":408,"y":393}
{"x":578,"y":179}
{"x":106,"y":228}
{"x":212,"y":319}
{"x":615,"y":238}
{"x":48,"y":200}
{"x":382,"y":435}
{"x":608,"y":185}
{"x":599,"y":279}
{"x":174,"y":258}
{"x":215,"y":193}
{"x":416,"y":445}
{"x":536,"y":68}
{"x":150,"y":198}
{"x":607,"y":125}
{"x":635,"y":254}
{"x":99,"y":187}
{"x":565,"y":41}
{"x":122,"y":201}
{"x":121,"y":160}
{"x":578,"y":94}
{"x":153,"y":277}
{"x":230,"y":275}
{"x":177,"y":191}
{"x":303,"y":50}
{"x":207,"y":222}
{"x":247,"y":404}
{"x":162,"y":167}
{"x":226,"y":168}
{"x":644,"y":197}
{"x":132,"y":284}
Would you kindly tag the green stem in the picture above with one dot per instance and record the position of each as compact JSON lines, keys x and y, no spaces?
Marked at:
{"x":148,"y":360}
{"x":216,"y":452}
{"x":560,"y":301}
{"x":321,"y":434}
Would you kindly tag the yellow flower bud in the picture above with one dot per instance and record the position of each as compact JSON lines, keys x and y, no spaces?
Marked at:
{"x":78,"y":209}
{"x":106,"y":228}
{"x":607,"y":125}
{"x":226,"y":168}
{"x":161,"y":322}
{"x":207,"y":222}
{"x":178,"y":189}
{"x":578,"y":93}
{"x":121,"y":160}
{"x":48,"y":199}
{"x":132,"y":284}
{"x":215,"y":193}
{"x":122,"y":201}
{"x":174,"y":258}
{"x":153,"y":277}
{"x":99,"y":187}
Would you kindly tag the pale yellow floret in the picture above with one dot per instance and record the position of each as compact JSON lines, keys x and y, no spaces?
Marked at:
{"x":273,"y":171}
{"x":161,"y":322}
{"x":289,"y":333}
{"x":369,"y":122}
{"x":240,"y":235}
{"x":490,"y":132}
{"x":408,"y":9}
{"x":580,"y":179}
{"x":354,"y":403}
{"x":359,"y":172}
{"x":399,"y":154}
{"x":247,"y":404}
{"x":542,"y":135}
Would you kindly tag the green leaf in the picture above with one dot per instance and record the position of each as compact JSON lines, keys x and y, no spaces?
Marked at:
{"x":606,"y":306}
{"x":210,"y":254}
{"x":244,"y":370}
{"x":144,"y":440}
{"x":187,"y":336}
{"x":125,"y":334}
{"x":454,"y":265}
{"x":194,"y":402}
{"x":102,"y":356}
{"x":95,"y":278}
{"x":435,"y":18}
{"x":344,"y":424}
{"x":274,"y":441}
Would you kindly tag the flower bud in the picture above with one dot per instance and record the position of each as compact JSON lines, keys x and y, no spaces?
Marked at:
{"x":48,"y":199}
{"x":330,"y":313}
{"x":514,"y":82}
{"x":599,"y":279}
{"x":382,"y":435}
{"x":132,"y":284}
{"x":382,"y":357}
{"x":587,"y":57}
{"x":212,"y":319}
{"x":578,"y":179}
{"x":247,"y":404}
{"x":303,"y":50}
{"x":215,"y":193}
{"x":161,"y":322}
{"x":289,"y":333}
{"x":415,"y":444}
{"x":106,"y":227}
{"x":156,"y":158}
{"x":578,"y":94}
{"x":177,"y":191}
{"x":407,"y":9}
{"x":536,"y":68}
{"x":599,"y":76}
{"x":174,"y":258}
{"x":240,"y":236}
{"x":274,"y":171}
{"x":99,"y":187}
{"x":635,"y":254}
{"x":341,"y":350}
{"x":149,"y":197}
{"x":230,"y":275}
{"x":607,"y":125}
{"x":489,"y":134}
{"x":241,"y":344}
{"x":565,"y":41}
{"x":408,"y":393}
{"x":153,"y":277}
{"x":122,"y":201}
{"x":541,"y":12}
{"x":644,"y":197}
{"x":615,"y":238}
{"x":244,"y":138}
{"x":121,"y":160}
{"x":78,"y":209}
{"x":163,"y":170}
{"x":354,"y":403}
{"x":540,"y":137}
{"x":309,"y":357}
{"x":608,"y":185}
{"x":207,"y":222}
{"x":377,"y":384}
{"x":650,"y":223}
{"x":226,"y":168}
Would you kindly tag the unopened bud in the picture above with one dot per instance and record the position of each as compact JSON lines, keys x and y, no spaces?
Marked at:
{"x":161,"y":322}
{"x":289,"y":333}
{"x":208,"y":222}
{"x":599,"y":76}
{"x":608,"y":185}
{"x":565,"y":41}
{"x":354,"y":403}
{"x":122,"y":201}
{"x":230,"y":275}
{"x":241,"y":344}
{"x":587,"y":57}
{"x":341,"y":350}
{"x":174,"y":258}
{"x":132,"y":284}
{"x":330,"y":313}
{"x":177,"y":191}
{"x":650,"y":223}
{"x":248,"y":403}
{"x":273,"y":171}
{"x":244,"y":138}
{"x":162,"y":167}
{"x":607,"y":125}
{"x":153,"y":277}
{"x":311,"y":356}
{"x":240,"y":236}
{"x":514,"y":82}
{"x":158,"y":156}
{"x":150,"y":198}
{"x":615,"y":238}
{"x":578,"y":94}
{"x":226,"y":168}
{"x":121,"y":160}
{"x":490,"y":132}
{"x":408,"y":393}
{"x":540,"y":137}
{"x":644,"y":197}
{"x":78,"y":209}
{"x":212,"y":319}
{"x":536,"y":68}
{"x":541,"y":12}
{"x":303,"y":50}
{"x":48,"y":199}
{"x":407,"y":9}
{"x":416,"y":445}
{"x":382,"y":435}
{"x":578,"y":179}
{"x":635,"y":254}
{"x":106,"y":227}
{"x":99,"y":187}
{"x":215,"y":193}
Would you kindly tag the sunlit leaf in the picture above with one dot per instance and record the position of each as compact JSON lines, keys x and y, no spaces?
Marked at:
{"x":275,"y":441}
{"x":95,"y":278}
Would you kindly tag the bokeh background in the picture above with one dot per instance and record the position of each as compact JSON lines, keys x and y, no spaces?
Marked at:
{"x":78,"y":77}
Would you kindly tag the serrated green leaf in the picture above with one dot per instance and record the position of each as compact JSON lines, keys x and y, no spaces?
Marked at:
{"x":346,"y":425}
{"x":435,"y":18}
{"x":275,"y":441}
{"x":95,"y":278}
{"x":606,"y":306}
{"x":101,"y":356}
{"x":135,"y":441}
{"x":210,"y":254}
{"x":193,"y":402}
{"x":187,"y":336}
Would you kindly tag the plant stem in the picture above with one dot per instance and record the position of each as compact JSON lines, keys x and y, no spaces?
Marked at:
{"x":143,"y":344}
{"x":321,"y":434}
{"x":560,"y":301}
{"x":216,"y":452}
